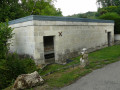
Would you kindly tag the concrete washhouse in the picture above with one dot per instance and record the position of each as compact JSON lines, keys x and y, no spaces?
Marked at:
{"x":54,"y":39}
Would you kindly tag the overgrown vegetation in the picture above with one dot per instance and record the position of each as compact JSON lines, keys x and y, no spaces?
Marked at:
{"x":5,"y":35}
{"x":11,"y":65}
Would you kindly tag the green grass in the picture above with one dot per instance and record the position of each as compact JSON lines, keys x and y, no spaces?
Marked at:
{"x":97,"y":59}
{"x":64,"y":78}
{"x":54,"y":67}
{"x":104,"y":56}
{"x":50,"y":68}
{"x":106,"y":53}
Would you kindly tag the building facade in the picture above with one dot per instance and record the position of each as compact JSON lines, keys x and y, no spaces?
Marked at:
{"x":55,"y":39}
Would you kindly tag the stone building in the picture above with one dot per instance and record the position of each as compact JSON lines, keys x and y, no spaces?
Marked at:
{"x":55,"y":39}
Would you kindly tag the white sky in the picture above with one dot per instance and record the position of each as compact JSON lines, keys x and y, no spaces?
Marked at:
{"x":69,"y":7}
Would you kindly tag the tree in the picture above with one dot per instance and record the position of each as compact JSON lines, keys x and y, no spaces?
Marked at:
{"x":90,"y":15}
{"x":106,"y":3}
{"x":13,"y":9}
{"x":110,"y":9}
{"x":115,"y":17}
{"x":40,"y":7}
{"x":10,"y":9}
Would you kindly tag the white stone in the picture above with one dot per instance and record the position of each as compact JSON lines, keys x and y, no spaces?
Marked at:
{"x":84,"y":58}
{"x":27,"y":81}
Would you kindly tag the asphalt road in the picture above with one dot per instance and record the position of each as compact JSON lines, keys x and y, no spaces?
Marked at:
{"x":107,"y":78}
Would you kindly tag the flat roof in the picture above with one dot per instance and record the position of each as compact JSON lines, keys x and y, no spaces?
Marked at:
{"x":54,"y":18}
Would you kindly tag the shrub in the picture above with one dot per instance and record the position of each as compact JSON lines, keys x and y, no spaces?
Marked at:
{"x":14,"y":66}
{"x":115,"y":17}
{"x":5,"y":35}
{"x":11,"y":65}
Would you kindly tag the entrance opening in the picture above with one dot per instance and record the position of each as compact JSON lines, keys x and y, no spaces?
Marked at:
{"x":49,"y":49}
{"x":109,"y":38}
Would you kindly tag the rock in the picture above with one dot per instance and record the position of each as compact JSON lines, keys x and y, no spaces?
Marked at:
{"x":27,"y":81}
{"x":84,"y":59}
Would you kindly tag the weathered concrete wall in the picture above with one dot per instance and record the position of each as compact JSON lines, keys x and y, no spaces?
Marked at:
{"x":117,"y":36}
{"x":117,"y":39}
{"x":75,"y":36}
{"x":23,"y":41}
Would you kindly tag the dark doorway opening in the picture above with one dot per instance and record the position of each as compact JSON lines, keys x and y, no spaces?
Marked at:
{"x":49,"y":49}
{"x":109,"y":38}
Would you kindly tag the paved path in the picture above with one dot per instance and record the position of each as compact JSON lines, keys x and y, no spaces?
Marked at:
{"x":107,"y":78}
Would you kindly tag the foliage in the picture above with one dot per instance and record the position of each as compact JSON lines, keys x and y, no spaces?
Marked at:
{"x":40,"y":7}
{"x":110,"y":13}
{"x":90,"y":15}
{"x":115,"y":17}
{"x":13,"y":9}
{"x":115,"y":9}
{"x":5,"y":35}
{"x":10,"y":9}
{"x":13,"y":66}
{"x":106,"y":3}
{"x":10,"y":64}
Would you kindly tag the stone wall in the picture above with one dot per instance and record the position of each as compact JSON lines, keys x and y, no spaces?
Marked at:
{"x":70,"y":36}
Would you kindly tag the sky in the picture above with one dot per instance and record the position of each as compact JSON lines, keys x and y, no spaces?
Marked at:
{"x":70,"y":7}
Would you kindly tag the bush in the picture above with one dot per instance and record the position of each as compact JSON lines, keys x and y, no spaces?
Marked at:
{"x":11,"y":65}
{"x":5,"y":35}
{"x":14,"y":66}
{"x":115,"y":17}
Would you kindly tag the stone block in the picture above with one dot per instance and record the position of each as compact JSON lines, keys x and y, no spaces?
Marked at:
{"x":25,"y":81}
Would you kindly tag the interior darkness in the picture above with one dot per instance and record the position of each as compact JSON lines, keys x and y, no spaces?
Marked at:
{"x":48,"y":43}
{"x":49,"y":47}
{"x":51,"y":55}
{"x":109,"y":38}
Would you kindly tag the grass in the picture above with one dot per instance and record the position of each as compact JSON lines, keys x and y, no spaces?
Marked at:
{"x":65,"y":77}
{"x":104,"y":56}
{"x":54,"y":67}
{"x":97,"y":59}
